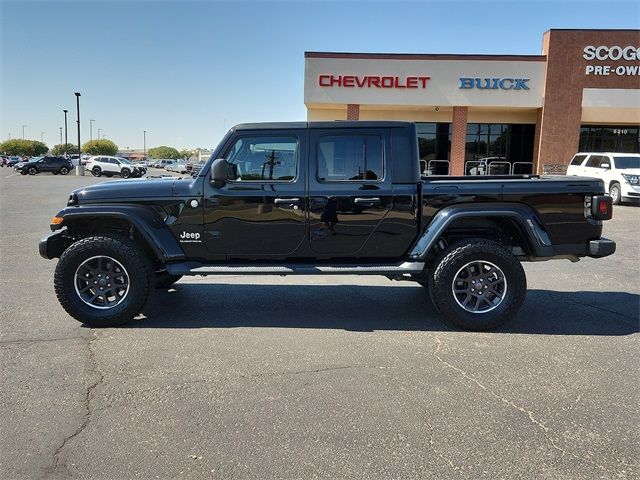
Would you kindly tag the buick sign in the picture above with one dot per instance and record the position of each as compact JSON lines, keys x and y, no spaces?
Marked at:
{"x":467,"y":83}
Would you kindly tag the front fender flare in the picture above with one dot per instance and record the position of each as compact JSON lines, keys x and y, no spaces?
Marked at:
{"x":524,"y":215}
{"x":144,"y":219}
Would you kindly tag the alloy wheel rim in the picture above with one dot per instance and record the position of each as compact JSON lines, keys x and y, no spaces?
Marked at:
{"x":479,"y":286}
{"x":101,"y":282}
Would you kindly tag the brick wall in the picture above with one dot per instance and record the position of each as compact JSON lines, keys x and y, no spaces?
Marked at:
{"x":458,"y":140}
{"x":353,"y":111}
{"x":565,"y":80}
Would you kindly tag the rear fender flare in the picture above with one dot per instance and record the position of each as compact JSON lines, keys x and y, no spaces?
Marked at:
{"x":524,"y":215}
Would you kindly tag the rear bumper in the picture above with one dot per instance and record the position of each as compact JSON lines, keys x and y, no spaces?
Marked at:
{"x":603,"y":247}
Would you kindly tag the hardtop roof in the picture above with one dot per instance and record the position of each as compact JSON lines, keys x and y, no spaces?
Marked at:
{"x":325,"y":124}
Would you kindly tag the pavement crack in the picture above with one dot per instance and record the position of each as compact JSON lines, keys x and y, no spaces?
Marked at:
{"x":299,"y":372}
{"x":89,"y":410}
{"x":530,"y":415}
{"x":441,"y":455}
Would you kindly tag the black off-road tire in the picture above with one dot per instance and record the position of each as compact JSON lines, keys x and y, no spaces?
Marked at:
{"x":455,"y":257}
{"x":138,"y":267}
{"x":165,"y":280}
{"x":616,"y":193}
{"x":96,"y":171}
{"x":32,"y":170}
{"x":64,"y":170}
{"x":125,"y":173}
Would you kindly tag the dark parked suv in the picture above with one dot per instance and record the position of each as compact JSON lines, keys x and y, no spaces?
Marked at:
{"x":54,"y":165}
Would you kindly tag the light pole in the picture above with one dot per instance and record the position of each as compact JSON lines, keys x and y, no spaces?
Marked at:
{"x":65,"y":131}
{"x":99,"y":130}
{"x":42,"y":137}
{"x":60,"y":135}
{"x":77,"y":94}
{"x":91,"y":130}
{"x":23,"y":127}
{"x":144,"y":144}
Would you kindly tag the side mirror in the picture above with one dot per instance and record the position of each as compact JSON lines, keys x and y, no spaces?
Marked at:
{"x":605,"y":165}
{"x":219,"y":172}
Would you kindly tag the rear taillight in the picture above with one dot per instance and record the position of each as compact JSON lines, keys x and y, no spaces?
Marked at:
{"x":602,"y":207}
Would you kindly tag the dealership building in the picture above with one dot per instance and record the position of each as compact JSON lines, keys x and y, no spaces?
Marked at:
{"x":518,"y":113}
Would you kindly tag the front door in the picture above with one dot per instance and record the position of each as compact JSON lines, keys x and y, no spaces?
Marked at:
{"x":350,"y":191}
{"x":261,"y":211}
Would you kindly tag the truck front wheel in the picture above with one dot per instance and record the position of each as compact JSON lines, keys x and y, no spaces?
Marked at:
{"x":103,"y":281}
{"x":477,"y":284}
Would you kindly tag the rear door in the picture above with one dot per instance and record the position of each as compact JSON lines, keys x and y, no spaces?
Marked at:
{"x":47,"y":164}
{"x":575,"y":167}
{"x":592,"y":166}
{"x":350,"y":190}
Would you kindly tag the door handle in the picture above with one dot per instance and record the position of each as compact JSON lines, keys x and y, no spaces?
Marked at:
{"x":369,"y":202}
{"x":286,"y":201}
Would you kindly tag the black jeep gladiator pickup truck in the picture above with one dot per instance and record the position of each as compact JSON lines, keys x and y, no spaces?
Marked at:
{"x":322,"y":198}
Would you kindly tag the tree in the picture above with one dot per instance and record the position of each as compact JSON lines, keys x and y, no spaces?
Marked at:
{"x":186,"y":154}
{"x":164,"y":152}
{"x":61,"y":149}
{"x":100,"y":147}
{"x":17,"y":146}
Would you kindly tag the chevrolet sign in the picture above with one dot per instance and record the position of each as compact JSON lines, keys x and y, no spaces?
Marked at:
{"x":494,"y":83}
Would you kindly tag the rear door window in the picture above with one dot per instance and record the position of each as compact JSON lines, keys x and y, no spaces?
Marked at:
{"x":350,"y":158}
{"x":594,"y":161}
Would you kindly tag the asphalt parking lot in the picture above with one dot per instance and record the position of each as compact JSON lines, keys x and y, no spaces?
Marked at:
{"x":332,"y":377}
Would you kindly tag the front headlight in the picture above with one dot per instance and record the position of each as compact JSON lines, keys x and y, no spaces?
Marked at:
{"x":632,"y":179}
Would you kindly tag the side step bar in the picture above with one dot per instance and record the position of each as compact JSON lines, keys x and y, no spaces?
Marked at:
{"x":194,"y":268}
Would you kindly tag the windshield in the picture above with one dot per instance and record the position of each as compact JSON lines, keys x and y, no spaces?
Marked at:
{"x":623,"y":163}
{"x":124,"y":160}
{"x":36,"y":159}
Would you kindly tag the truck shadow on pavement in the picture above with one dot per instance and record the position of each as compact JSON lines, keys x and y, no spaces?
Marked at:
{"x":369,"y":308}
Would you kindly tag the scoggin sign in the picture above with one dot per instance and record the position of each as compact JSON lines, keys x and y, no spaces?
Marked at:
{"x":615,"y":54}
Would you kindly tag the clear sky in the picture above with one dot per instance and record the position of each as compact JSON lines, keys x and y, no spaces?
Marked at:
{"x":183,"y":71}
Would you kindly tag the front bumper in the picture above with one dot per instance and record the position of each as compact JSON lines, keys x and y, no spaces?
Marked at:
{"x":628,"y":191}
{"x":603,"y":247}
{"x":53,"y":244}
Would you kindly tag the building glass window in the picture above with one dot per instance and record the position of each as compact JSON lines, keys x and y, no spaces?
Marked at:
{"x":434,"y":143}
{"x":599,"y":138}
{"x":503,"y":142}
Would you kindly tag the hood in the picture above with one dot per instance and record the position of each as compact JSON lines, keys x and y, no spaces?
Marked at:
{"x":630,"y":171}
{"x":123,"y":190}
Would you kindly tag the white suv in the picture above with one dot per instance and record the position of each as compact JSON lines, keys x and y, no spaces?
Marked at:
{"x":620,"y":172}
{"x":109,"y":166}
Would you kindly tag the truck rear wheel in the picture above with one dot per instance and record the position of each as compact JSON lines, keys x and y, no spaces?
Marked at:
{"x":103,"y":281}
{"x":477,"y":284}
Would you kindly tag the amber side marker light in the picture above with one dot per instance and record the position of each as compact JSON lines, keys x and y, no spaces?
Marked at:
{"x":57,"y":220}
